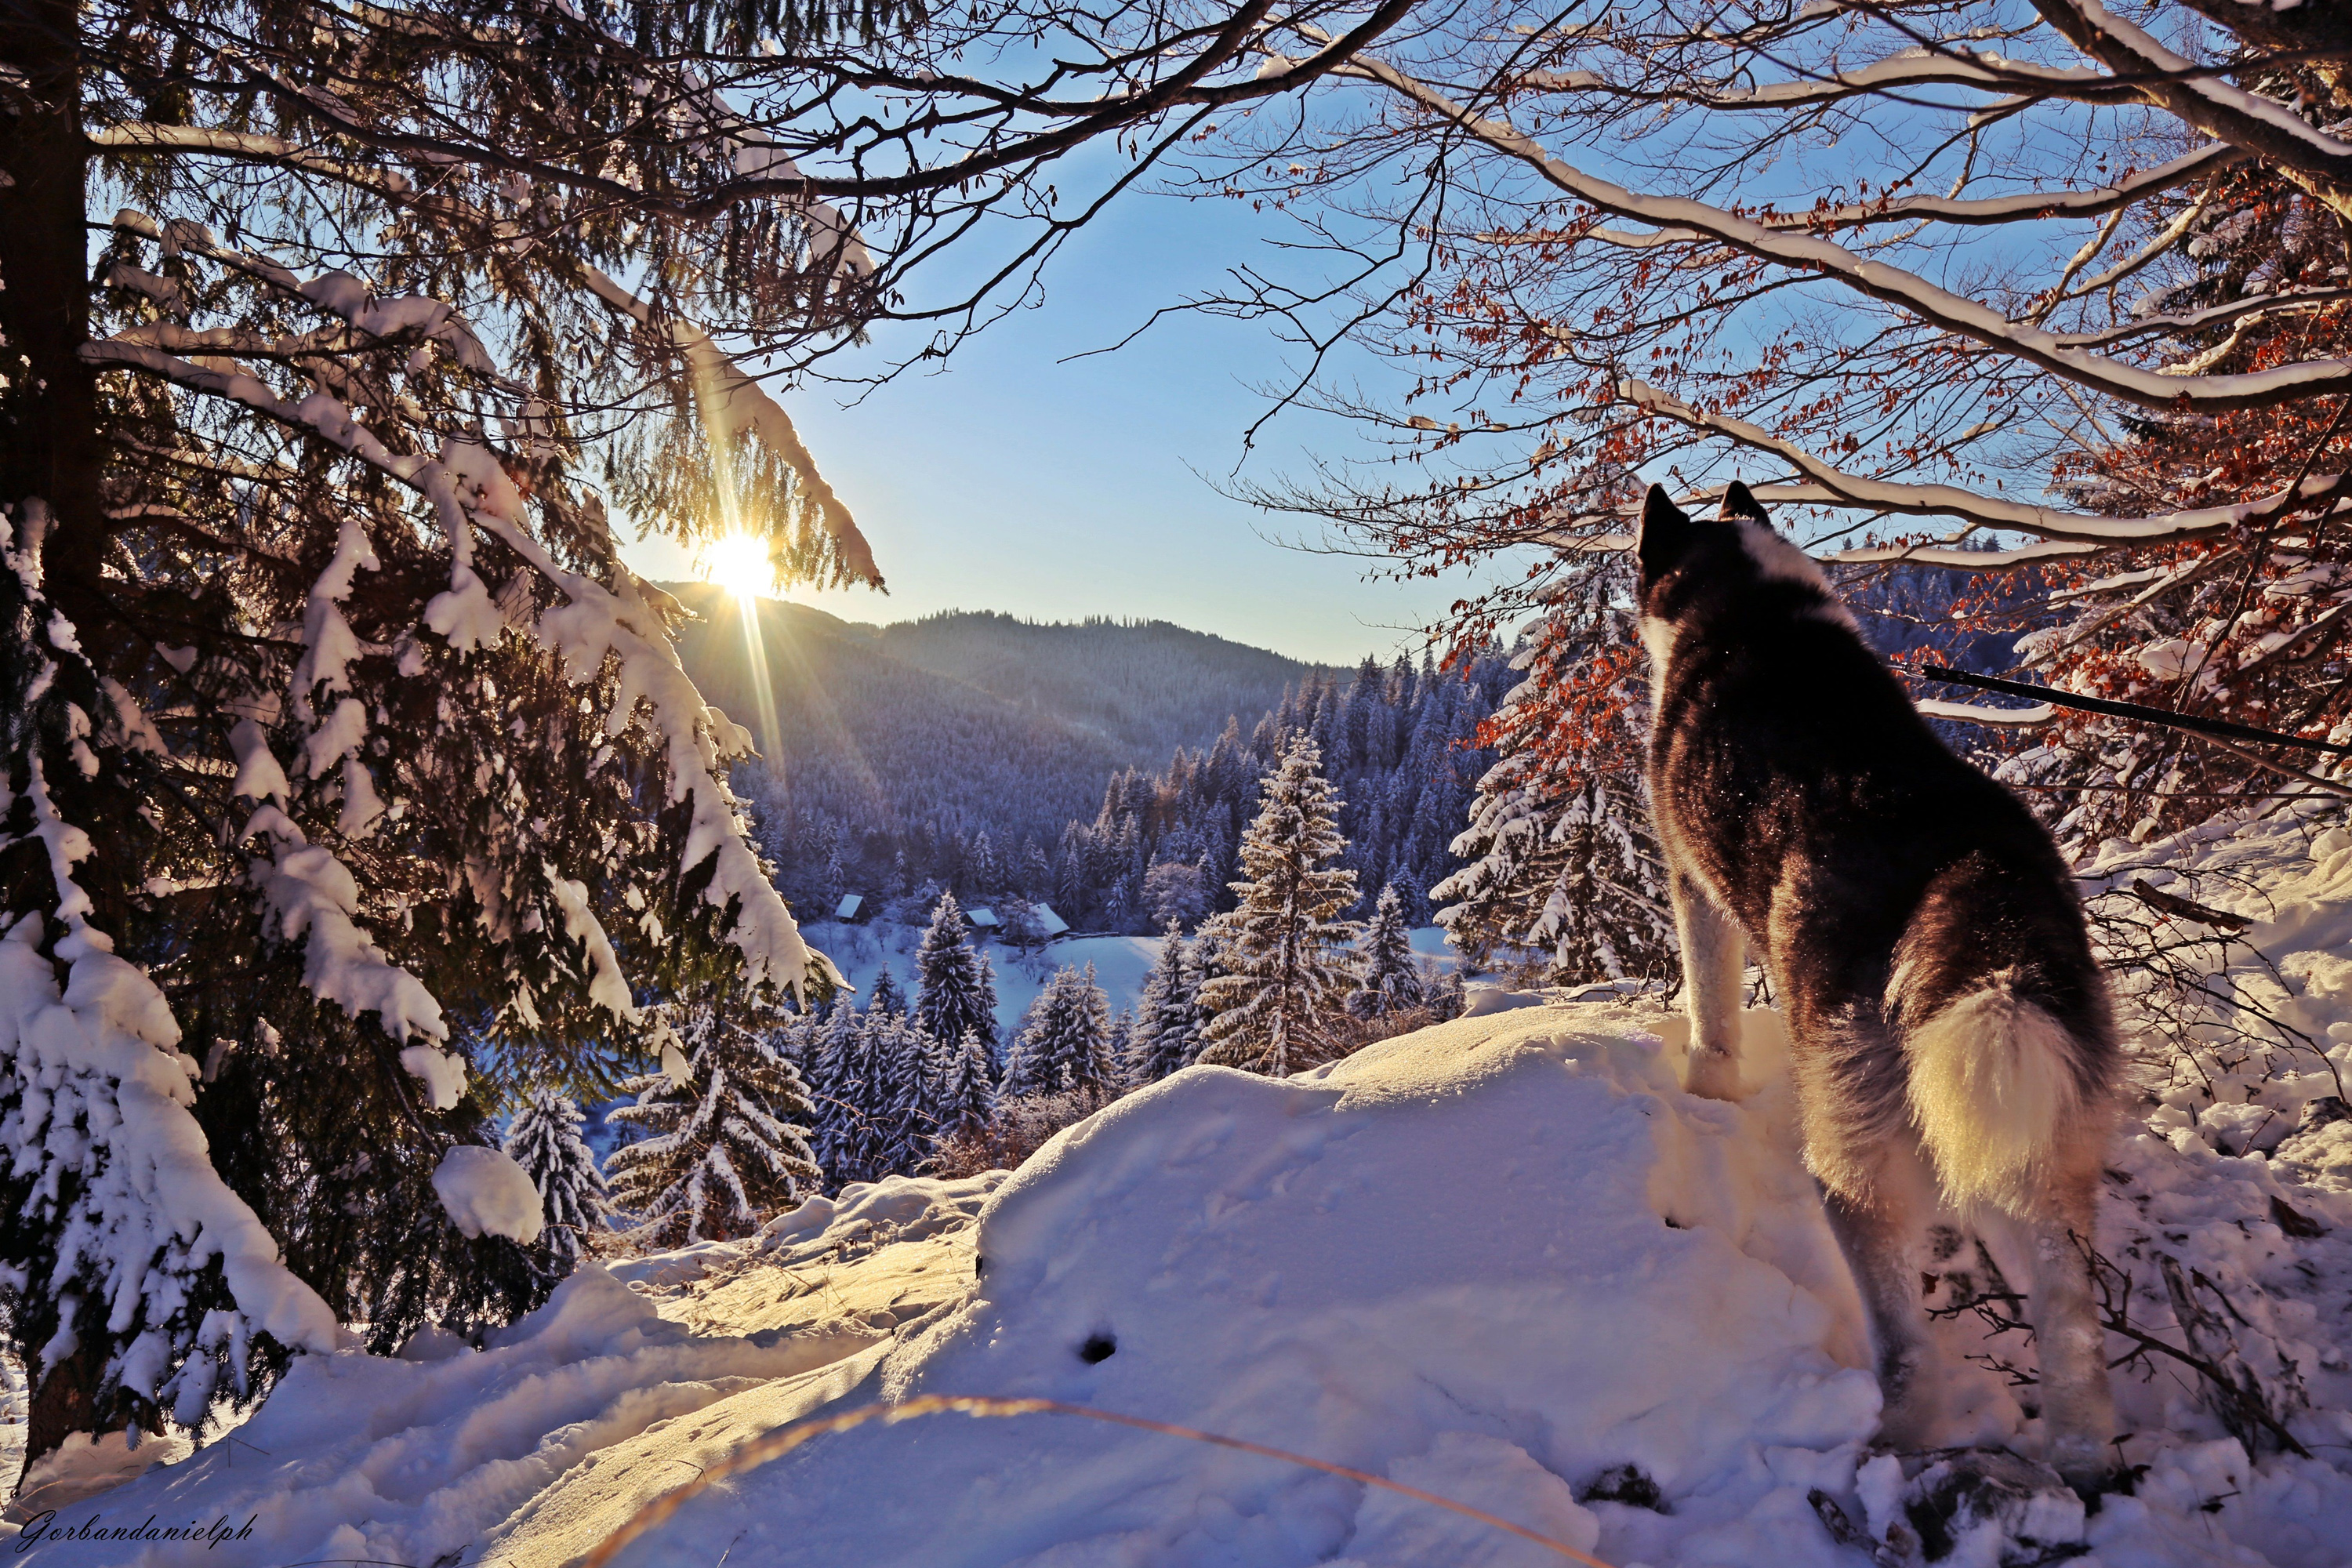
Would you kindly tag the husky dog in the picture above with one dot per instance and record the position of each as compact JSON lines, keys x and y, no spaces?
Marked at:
{"x":1953,"y":1045}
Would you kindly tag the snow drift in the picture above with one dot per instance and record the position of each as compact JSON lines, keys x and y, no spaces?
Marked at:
{"x":1503,"y":1259}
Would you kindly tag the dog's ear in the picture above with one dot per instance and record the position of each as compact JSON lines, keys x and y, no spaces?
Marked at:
{"x":1739,"y":502}
{"x":1665,"y":530}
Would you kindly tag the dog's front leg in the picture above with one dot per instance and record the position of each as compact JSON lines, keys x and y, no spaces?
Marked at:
{"x":1715,"y":957}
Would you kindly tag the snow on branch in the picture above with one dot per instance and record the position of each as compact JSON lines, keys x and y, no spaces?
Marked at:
{"x":1985,"y":210}
{"x":1834,"y":487}
{"x":2209,"y":101}
{"x":2032,"y":718}
{"x":1915,"y":67}
{"x":467,"y":485}
{"x":742,"y":404}
{"x":105,"y":1052}
{"x":315,"y":900}
{"x":1938,"y":307}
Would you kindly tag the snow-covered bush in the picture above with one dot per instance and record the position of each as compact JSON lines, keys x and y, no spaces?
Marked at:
{"x":1017,"y":1127}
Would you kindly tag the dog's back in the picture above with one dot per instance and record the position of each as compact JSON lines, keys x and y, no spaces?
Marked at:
{"x":1919,"y":927}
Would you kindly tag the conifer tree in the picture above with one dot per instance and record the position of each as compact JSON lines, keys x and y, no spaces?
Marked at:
{"x":1065,"y":1038}
{"x":887,"y":997}
{"x":1168,"y":1013}
{"x":1118,"y":1049}
{"x":1283,"y":945}
{"x":837,"y":1056}
{"x":1561,"y":859}
{"x":902,"y":1096}
{"x":966,"y":1092}
{"x":955,"y":990}
{"x":719,"y":1153}
{"x":544,"y":1139}
{"x":1387,"y":979}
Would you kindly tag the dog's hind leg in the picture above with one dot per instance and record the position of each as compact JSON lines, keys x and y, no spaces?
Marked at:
{"x":2078,"y":1412}
{"x":1878,"y":1204}
{"x":1715,"y":956}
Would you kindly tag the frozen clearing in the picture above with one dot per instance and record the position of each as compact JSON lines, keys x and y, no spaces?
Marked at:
{"x":1497,"y":1260}
{"x":1121,"y":962}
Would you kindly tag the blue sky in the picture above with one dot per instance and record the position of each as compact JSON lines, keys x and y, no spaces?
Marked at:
{"x":1054,"y":490}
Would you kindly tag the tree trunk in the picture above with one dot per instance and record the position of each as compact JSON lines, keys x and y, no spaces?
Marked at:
{"x":64,"y":1403}
{"x":50,"y":445}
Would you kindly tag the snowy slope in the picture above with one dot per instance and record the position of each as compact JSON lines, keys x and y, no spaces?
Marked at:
{"x":1497,"y":1259}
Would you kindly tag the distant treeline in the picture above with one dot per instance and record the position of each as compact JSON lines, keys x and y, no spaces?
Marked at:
{"x":1396,"y":740}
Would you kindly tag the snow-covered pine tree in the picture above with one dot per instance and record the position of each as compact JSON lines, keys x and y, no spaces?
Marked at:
{"x":955,"y":990}
{"x":1387,"y":979}
{"x":1168,"y":1013}
{"x":544,"y":1139}
{"x":903,"y":1094}
{"x":836,"y":1089}
{"x":1063,"y":1040}
{"x":966,"y":1090}
{"x":987,"y":878}
{"x":887,"y":997}
{"x":717,"y":1155}
{"x":1118,"y":1049}
{"x":1283,"y":946}
{"x":1562,"y":858}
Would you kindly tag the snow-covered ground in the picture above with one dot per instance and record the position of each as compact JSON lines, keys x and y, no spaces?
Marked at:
{"x":1503,"y":1260}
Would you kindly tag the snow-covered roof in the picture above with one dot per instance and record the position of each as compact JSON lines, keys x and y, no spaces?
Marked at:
{"x":1048,"y":922}
{"x":983,"y":918}
{"x":850,"y":903}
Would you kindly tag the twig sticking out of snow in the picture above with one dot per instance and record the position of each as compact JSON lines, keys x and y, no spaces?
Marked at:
{"x":785,"y":1440}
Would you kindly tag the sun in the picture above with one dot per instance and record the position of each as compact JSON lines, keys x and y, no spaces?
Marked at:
{"x":739,"y":562}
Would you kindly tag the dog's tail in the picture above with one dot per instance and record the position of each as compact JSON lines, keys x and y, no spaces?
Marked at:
{"x":1994,"y":1082}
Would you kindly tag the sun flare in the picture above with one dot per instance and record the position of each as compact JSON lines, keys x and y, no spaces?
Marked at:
{"x":740,"y":562}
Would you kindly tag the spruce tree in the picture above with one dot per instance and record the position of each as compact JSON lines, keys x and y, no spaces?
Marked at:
{"x":544,"y":1139}
{"x":1168,"y":1013}
{"x":1284,"y":945}
{"x":1387,"y":979}
{"x":902,"y":1094}
{"x":887,"y":997}
{"x":966,"y":1092}
{"x":1561,"y":858}
{"x":1119,"y":1050}
{"x":1065,"y":1038}
{"x":836,"y":1089}
{"x":956,"y":990}
{"x":715,"y":1157}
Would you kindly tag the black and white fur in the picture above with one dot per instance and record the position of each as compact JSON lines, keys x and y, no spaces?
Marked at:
{"x":1954,"y":1050}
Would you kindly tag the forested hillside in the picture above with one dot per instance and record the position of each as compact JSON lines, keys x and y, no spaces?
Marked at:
{"x":1065,"y":763}
{"x":860,"y":736}
{"x":1147,"y":685}
{"x":924,"y":738}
